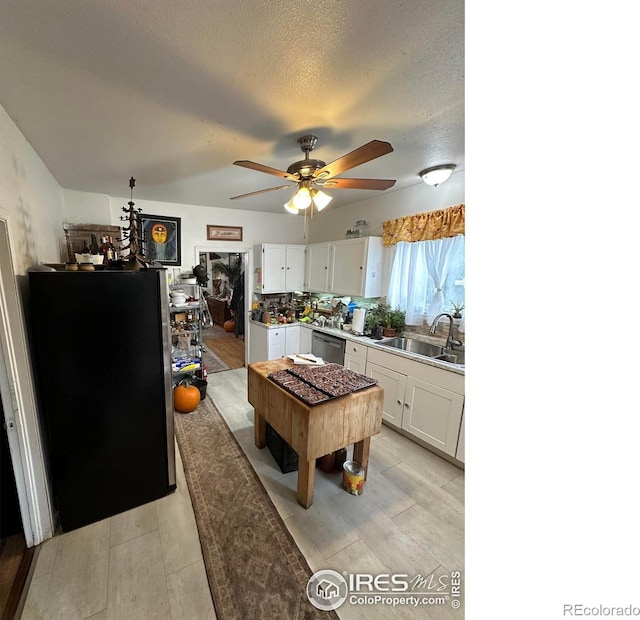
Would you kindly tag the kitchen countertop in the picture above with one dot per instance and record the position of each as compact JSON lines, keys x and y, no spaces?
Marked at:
{"x":274,"y":325}
{"x":370,"y":342}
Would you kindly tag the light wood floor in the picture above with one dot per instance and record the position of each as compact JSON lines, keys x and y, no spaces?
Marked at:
{"x":147,"y":562}
{"x":225,"y":344}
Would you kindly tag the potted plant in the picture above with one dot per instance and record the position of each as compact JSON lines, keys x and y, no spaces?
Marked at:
{"x":232,"y":272}
{"x":376,"y":318}
{"x":393,"y":322}
{"x":457,"y":307}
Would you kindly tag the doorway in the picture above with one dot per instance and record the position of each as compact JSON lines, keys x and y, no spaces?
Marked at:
{"x":16,"y":550}
{"x":225,"y":292}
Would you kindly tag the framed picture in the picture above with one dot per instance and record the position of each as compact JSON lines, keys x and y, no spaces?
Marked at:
{"x":224,"y":233}
{"x":160,"y":238}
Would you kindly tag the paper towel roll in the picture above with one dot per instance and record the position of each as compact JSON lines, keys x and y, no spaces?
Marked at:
{"x":358,"y":320}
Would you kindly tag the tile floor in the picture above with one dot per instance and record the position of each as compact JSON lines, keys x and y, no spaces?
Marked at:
{"x":146,"y":563}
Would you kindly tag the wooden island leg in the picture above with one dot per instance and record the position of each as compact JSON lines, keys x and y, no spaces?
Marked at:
{"x":306,"y":480}
{"x":260,"y":430}
{"x":361,"y":453}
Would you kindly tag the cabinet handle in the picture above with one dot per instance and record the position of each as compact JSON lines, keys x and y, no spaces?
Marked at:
{"x":360,"y":267}
{"x":399,"y":402}
{"x":406,"y":405}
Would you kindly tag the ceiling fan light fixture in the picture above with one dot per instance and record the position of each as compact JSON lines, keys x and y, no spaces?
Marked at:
{"x":290,"y":207}
{"x":302,"y":198}
{"x":320,"y":199}
{"x":437,"y":174}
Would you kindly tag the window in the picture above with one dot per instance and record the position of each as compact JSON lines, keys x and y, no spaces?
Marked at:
{"x":427,"y":277}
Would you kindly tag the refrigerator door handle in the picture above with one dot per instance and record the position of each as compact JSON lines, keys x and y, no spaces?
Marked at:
{"x":168,"y":375}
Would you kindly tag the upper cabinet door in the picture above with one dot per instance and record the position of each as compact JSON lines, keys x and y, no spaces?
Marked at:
{"x":355,"y":267}
{"x":294,"y":267}
{"x":347,"y":267}
{"x":317,"y":272}
{"x":279,"y":268}
{"x":273,"y":268}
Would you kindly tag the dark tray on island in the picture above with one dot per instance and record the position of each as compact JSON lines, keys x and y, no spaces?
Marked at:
{"x":317,"y":384}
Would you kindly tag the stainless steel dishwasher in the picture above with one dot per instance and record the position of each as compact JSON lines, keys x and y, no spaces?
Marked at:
{"x":329,"y":348}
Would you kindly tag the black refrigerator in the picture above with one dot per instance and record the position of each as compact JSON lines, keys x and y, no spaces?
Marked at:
{"x":100,"y":343}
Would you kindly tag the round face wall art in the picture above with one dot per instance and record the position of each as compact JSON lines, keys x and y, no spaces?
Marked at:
{"x":161,"y":238}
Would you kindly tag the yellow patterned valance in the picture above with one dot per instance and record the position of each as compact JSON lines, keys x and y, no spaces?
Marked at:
{"x":428,"y":226}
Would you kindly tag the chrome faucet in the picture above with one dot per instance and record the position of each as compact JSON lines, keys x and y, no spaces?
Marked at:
{"x":450,"y":341}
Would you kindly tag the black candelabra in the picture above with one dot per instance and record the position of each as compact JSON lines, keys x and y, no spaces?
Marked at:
{"x":132,"y":234}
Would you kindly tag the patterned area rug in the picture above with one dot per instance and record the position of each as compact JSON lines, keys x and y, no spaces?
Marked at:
{"x":213,"y":362}
{"x":254,"y":567}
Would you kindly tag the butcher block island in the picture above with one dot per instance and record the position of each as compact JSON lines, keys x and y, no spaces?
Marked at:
{"x":313,"y":430}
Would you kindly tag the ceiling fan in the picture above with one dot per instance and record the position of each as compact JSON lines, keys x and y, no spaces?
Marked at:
{"x":311,"y":174}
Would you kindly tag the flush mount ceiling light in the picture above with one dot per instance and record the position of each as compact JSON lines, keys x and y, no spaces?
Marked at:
{"x":437,"y":174}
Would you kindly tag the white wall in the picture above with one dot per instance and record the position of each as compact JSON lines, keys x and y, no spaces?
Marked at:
{"x":86,"y":207}
{"x":332,"y":224}
{"x":32,"y":198}
{"x":32,"y":214}
{"x":256,"y":227}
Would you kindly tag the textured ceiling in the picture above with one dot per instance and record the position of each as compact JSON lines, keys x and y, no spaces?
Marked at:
{"x":173,"y":92}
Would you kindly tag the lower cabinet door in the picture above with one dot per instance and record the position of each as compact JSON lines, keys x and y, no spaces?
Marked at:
{"x":276,"y":343}
{"x":292,"y":344}
{"x":394,"y":384}
{"x":460,"y":449}
{"x":354,"y":363}
{"x":433,"y":414}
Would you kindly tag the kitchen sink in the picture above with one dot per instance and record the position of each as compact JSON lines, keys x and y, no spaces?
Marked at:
{"x":434,"y":351}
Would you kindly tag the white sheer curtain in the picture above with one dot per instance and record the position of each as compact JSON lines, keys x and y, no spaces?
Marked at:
{"x":408,"y":282}
{"x":422,"y":273}
{"x":440,"y":258}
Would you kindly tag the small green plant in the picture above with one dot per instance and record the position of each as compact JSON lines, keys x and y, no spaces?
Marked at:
{"x":458,"y":307}
{"x":376,"y":314}
{"x":395,"y":319}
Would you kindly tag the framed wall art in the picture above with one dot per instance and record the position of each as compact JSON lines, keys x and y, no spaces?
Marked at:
{"x":160,"y":238}
{"x":224,"y":233}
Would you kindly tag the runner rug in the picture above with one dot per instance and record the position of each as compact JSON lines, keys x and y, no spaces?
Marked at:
{"x":254,"y":567}
{"x":213,"y":361}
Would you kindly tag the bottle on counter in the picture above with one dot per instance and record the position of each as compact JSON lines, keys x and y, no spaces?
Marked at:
{"x":94,"y":248}
{"x":114,"y":250}
{"x":105,"y":250}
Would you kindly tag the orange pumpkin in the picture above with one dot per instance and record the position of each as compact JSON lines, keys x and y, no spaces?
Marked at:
{"x":229,"y":325}
{"x":186,"y":397}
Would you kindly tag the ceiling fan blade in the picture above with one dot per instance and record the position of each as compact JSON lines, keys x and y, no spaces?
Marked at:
{"x":361,"y":155}
{"x":262,"y":191}
{"x":358,"y":184}
{"x":262,"y":168}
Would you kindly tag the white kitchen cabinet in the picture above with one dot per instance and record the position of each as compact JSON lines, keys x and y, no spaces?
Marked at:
{"x":292,"y":340}
{"x":279,"y":268}
{"x":460,"y":449}
{"x":355,"y":267}
{"x":317,"y":267}
{"x":394,"y":385}
{"x":277,"y":343}
{"x":425,"y":401}
{"x":305,"y":339}
{"x":355,"y":357}
{"x":270,"y":343}
{"x":432,"y":414}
